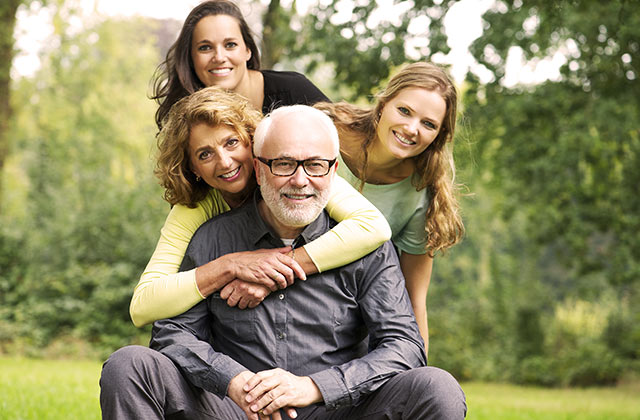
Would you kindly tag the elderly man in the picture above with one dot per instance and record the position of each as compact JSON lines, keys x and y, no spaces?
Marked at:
{"x":303,"y":352}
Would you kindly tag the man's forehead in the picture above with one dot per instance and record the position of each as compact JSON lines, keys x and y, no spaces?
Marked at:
{"x":298,"y":136}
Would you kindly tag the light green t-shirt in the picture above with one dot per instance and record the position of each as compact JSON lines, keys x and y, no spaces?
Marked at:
{"x":404,"y":207}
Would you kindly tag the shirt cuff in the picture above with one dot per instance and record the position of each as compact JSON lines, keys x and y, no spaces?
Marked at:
{"x":221,"y":373}
{"x":333,"y":390}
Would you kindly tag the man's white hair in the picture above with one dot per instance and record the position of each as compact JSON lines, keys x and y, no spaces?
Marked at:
{"x":293,"y":111}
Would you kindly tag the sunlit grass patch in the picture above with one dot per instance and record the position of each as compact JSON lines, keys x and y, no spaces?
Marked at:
{"x":49,"y":389}
{"x":502,"y":402}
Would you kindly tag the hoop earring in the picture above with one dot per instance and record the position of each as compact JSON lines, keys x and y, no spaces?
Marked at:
{"x":198,"y":179}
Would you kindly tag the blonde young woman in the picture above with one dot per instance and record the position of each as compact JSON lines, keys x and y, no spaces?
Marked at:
{"x":399,"y":155}
{"x":205,"y":165}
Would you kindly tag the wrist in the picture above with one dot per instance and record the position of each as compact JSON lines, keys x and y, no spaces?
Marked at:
{"x":237,"y":382}
{"x":314,"y":392}
{"x":214,"y":275}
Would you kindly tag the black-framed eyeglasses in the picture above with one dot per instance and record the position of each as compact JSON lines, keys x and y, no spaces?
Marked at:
{"x":288,"y":167}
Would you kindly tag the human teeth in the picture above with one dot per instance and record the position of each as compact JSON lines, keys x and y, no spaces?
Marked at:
{"x":230,"y":174}
{"x":220,"y":71}
{"x":404,"y":140}
{"x":297,"y":196}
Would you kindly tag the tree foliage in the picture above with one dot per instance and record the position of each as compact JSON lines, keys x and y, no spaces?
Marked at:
{"x":90,"y":205}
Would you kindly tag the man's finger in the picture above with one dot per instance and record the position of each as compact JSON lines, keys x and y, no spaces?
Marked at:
{"x":256,"y":379}
{"x":243,"y":303}
{"x":226,"y":291}
{"x":270,"y":401}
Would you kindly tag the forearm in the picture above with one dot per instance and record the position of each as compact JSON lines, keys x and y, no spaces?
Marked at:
{"x":345,"y":385}
{"x":361,"y":229}
{"x":214,"y":275}
{"x":160,"y":295}
{"x":185,"y":339}
{"x":162,"y":292}
{"x":301,"y":256}
{"x":417,"y":269}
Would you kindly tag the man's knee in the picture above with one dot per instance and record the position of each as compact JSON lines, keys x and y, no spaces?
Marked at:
{"x":439,"y":390}
{"x":433,"y":378}
{"x":125,"y":364}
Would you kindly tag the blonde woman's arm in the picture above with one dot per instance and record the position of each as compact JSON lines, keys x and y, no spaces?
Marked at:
{"x":163,"y":292}
{"x":361,"y":229}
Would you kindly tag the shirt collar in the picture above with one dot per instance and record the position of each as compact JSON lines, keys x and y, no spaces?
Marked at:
{"x":258,"y":229}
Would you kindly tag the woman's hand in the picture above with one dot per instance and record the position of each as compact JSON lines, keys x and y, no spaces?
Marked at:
{"x":271,"y":268}
{"x":258,"y":273}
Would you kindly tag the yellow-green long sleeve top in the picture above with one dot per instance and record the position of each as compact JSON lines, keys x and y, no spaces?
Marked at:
{"x":163,"y":292}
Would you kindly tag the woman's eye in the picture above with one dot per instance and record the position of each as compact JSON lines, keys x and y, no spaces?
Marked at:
{"x":204,"y":48}
{"x":403,"y":110}
{"x":204,"y":155}
{"x":231,"y":44}
{"x":232,"y":142}
{"x":429,"y":124}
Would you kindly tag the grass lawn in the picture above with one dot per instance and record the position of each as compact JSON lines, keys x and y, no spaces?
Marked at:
{"x":506,"y":402}
{"x":64,"y":389}
{"x":49,"y":389}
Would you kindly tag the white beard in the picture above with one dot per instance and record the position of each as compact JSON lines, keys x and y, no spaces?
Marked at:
{"x":291,"y":214}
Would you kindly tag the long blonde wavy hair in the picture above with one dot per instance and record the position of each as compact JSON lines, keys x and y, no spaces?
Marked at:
{"x":213,"y":106}
{"x":435,"y":168}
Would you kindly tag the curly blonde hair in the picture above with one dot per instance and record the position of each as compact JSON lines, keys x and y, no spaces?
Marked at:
{"x":435,"y":169}
{"x":212,"y":106}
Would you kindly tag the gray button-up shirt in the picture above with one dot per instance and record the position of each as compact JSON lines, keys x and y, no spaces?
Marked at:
{"x":316,"y":328}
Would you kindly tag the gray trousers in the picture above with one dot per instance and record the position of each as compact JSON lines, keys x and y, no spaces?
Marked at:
{"x":140,"y":383}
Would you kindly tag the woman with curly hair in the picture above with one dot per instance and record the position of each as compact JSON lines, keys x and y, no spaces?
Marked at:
{"x":205,"y":164}
{"x":398,"y":154}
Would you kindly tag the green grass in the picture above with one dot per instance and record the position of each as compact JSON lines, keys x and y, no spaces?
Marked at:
{"x":506,"y":402}
{"x":64,"y":389}
{"x":49,"y":389}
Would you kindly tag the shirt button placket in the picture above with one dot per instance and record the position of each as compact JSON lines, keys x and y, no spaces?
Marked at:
{"x":281,"y":328}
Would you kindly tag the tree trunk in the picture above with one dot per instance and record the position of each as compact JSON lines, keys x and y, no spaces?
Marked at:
{"x":270,"y":47}
{"x":8,"y":10}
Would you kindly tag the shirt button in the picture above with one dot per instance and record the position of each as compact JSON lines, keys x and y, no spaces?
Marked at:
{"x":281,"y":296}
{"x":281,"y":335}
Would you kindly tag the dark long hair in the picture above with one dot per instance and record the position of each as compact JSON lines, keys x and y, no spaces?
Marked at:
{"x":175,"y":77}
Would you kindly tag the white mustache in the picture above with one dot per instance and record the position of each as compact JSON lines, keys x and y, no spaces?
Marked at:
{"x":299,"y":191}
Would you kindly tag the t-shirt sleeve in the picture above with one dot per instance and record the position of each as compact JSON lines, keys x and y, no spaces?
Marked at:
{"x":361,"y":229}
{"x":412,"y":239}
{"x":162,"y":291}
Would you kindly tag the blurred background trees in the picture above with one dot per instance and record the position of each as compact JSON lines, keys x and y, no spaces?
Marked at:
{"x":545,"y":287}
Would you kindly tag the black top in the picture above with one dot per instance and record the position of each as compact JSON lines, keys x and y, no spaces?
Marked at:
{"x":316,"y":327}
{"x":282,"y":88}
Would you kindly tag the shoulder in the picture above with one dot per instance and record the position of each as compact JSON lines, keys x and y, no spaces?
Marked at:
{"x":221,"y":226}
{"x":378,"y":270}
{"x":289,"y":88}
{"x":274,"y":78}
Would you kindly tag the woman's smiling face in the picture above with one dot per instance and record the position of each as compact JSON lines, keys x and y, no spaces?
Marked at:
{"x":220,"y":157}
{"x":218,"y":52}
{"x":411,"y":121}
